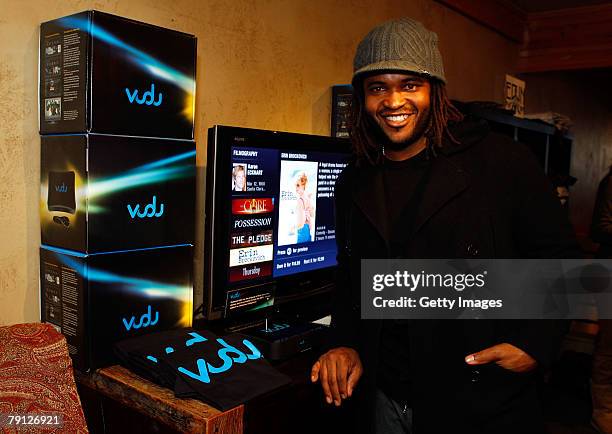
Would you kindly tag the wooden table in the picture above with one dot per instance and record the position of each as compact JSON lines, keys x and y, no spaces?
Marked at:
{"x":122,"y":388}
{"x":115,"y":400}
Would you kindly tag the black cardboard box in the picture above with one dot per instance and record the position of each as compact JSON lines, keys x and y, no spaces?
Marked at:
{"x":105,"y":193}
{"x":97,"y":300}
{"x":106,"y":74}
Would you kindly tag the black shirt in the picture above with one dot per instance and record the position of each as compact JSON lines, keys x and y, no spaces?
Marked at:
{"x":404,"y":183}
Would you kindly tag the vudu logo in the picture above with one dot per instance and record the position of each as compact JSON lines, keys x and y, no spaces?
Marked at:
{"x":145,"y":320}
{"x":148,"y":211}
{"x":147,"y":98}
{"x":63,"y":188}
{"x":228,"y":354}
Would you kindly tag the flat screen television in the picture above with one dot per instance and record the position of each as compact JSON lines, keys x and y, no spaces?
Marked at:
{"x":270,"y":229}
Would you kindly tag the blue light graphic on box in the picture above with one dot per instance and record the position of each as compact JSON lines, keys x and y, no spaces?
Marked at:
{"x":140,"y":58}
{"x":127,"y":181}
{"x":147,"y":98}
{"x":131,"y":284}
{"x":149,"y":173}
{"x":148,"y":211}
{"x":164,"y":162}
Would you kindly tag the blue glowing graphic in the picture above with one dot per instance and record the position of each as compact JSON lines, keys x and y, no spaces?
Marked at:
{"x":61,"y":188}
{"x":131,"y":284}
{"x":139,"y":57}
{"x":153,"y":359}
{"x":131,"y":324}
{"x":64,"y":251}
{"x":147,"y":98}
{"x":150,"y":173}
{"x":169,"y":350}
{"x":165,"y":162}
{"x":148,"y":211}
{"x":132,"y":180}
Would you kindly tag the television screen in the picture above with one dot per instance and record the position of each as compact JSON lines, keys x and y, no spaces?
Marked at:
{"x":270,"y":230}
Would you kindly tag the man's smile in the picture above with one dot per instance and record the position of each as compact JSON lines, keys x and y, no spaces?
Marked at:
{"x":396,"y":120}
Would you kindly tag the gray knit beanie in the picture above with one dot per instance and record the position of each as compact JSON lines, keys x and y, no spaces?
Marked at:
{"x":400,"y":45}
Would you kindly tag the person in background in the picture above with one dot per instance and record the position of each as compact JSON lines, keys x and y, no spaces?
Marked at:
{"x":601,"y":386}
{"x":562,"y":184}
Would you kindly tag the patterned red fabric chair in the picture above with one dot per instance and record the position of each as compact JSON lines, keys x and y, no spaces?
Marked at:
{"x":36,"y":378}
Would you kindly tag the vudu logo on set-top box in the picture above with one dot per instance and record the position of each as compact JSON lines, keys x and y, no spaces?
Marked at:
{"x":106,"y":74}
{"x":97,"y":300}
{"x":106,"y":193}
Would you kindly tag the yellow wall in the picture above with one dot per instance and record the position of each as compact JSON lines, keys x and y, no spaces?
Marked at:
{"x":261,"y":63}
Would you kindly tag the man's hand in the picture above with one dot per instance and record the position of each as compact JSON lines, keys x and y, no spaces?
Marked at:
{"x":505,"y":355}
{"x":339,"y":371}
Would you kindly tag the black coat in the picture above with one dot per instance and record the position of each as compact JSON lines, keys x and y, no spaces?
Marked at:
{"x":601,"y":226}
{"x":485,"y":197}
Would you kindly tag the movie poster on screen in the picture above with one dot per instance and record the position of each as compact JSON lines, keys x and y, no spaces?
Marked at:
{"x":297,"y":202}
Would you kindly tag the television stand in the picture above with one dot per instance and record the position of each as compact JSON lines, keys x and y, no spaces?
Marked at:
{"x":282,"y":339}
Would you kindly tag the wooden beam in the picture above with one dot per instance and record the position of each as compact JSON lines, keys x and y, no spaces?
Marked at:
{"x":497,"y":15}
{"x":576,"y":38}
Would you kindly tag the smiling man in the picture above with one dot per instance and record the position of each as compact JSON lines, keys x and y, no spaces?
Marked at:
{"x":400,"y":105}
{"x":427,"y":183}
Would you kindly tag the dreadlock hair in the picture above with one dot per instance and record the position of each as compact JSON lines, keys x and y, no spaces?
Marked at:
{"x":366,"y":144}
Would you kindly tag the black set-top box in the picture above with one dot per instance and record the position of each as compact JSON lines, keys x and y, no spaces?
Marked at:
{"x":100,"y":73}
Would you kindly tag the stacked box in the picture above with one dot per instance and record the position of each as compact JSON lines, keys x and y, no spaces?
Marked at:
{"x":107,"y":193}
{"x":117,"y":180}
{"x":104,"y":74}
{"x":97,"y":300}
